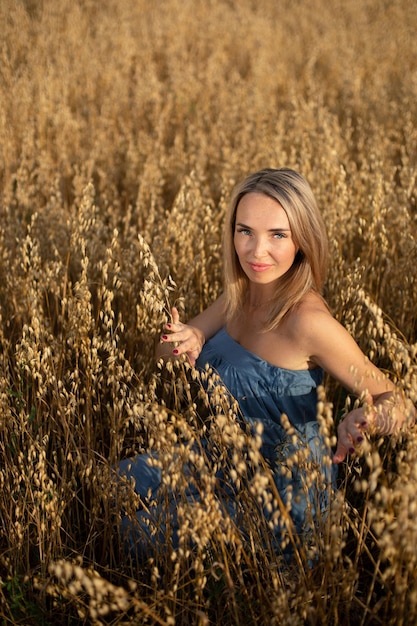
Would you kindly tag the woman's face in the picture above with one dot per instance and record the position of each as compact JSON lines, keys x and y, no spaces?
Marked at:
{"x":263,"y":239}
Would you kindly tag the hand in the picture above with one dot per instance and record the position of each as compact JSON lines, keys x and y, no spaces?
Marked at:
{"x":351,"y":431}
{"x":189,"y":339}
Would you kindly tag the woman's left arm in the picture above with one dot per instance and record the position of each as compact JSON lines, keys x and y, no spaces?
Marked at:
{"x":384,"y":408}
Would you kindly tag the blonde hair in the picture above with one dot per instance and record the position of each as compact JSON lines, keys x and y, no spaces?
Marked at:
{"x":308,"y":271}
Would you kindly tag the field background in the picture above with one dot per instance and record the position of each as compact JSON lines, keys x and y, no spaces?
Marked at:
{"x":124,"y":125}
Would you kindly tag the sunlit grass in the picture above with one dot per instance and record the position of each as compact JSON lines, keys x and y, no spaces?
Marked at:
{"x":123,"y":127}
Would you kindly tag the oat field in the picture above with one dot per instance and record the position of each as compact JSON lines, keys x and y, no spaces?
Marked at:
{"x":124,"y":125}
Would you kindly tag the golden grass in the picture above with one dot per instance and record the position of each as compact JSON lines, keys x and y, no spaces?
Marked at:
{"x":124,"y":125}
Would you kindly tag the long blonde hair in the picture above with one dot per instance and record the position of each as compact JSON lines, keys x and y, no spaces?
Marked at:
{"x":308,"y":271}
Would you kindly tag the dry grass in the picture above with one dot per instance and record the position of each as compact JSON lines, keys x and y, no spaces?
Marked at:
{"x":123,"y":126}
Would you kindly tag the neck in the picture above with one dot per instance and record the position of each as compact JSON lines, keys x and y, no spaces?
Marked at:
{"x":259,"y":305}
{"x":257,"y":298}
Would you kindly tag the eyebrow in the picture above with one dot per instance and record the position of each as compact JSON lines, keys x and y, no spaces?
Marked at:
{"x":270,"y":230}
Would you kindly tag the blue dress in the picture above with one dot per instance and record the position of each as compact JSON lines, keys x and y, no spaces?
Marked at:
{"x":264,"y":392}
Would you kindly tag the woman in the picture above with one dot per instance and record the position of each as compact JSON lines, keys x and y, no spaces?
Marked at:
{"x":275,"y":261}
{"x":271,"y":336}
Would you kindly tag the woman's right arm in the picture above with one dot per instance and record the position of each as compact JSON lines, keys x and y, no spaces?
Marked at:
{"x":190,"y":338}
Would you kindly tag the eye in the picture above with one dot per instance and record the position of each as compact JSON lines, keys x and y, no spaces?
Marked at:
{"x":279,"y":235}
{"x":243,"y":231}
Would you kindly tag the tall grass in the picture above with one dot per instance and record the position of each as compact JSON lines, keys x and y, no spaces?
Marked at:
{"x":124,"y":126}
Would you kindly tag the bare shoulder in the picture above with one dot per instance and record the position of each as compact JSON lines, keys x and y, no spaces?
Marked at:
{"x":310,"y":315}
{"x":327,"y":344}
{"x":318,"y":332}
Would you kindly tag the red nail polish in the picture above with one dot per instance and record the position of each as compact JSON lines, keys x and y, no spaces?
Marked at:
{"x":168,"y":326}
{"x":351,"y":450}
{"x":165,"y":337}
{"x":359,"y":439}
{"x":175,"y":351}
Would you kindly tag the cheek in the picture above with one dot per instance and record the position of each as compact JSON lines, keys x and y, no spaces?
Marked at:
{"x":292,"y":254}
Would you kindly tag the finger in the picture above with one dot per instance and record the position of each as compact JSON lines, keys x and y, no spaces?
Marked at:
{"x":350,"y":440}
{"x":179,"y":337}
{"x":352,"y":431}
{"x":192,"y":359}
{"x":345,"y":446}
{"x":340,"y":454}
{"x":188,"y":347}
{"x":344,"y":436}
{"x":168,"y":338}
{"x":354,"y":435}
{"x":172,"y":337}
{"x":175,"y":315}
{"x":175,"y":325}
{"x":193,"y":355}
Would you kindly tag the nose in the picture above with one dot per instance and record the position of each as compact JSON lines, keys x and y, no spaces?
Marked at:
{"x":259,"y":248}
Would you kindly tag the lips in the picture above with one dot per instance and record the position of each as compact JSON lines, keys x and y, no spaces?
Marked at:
{"x":259,"y":267}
